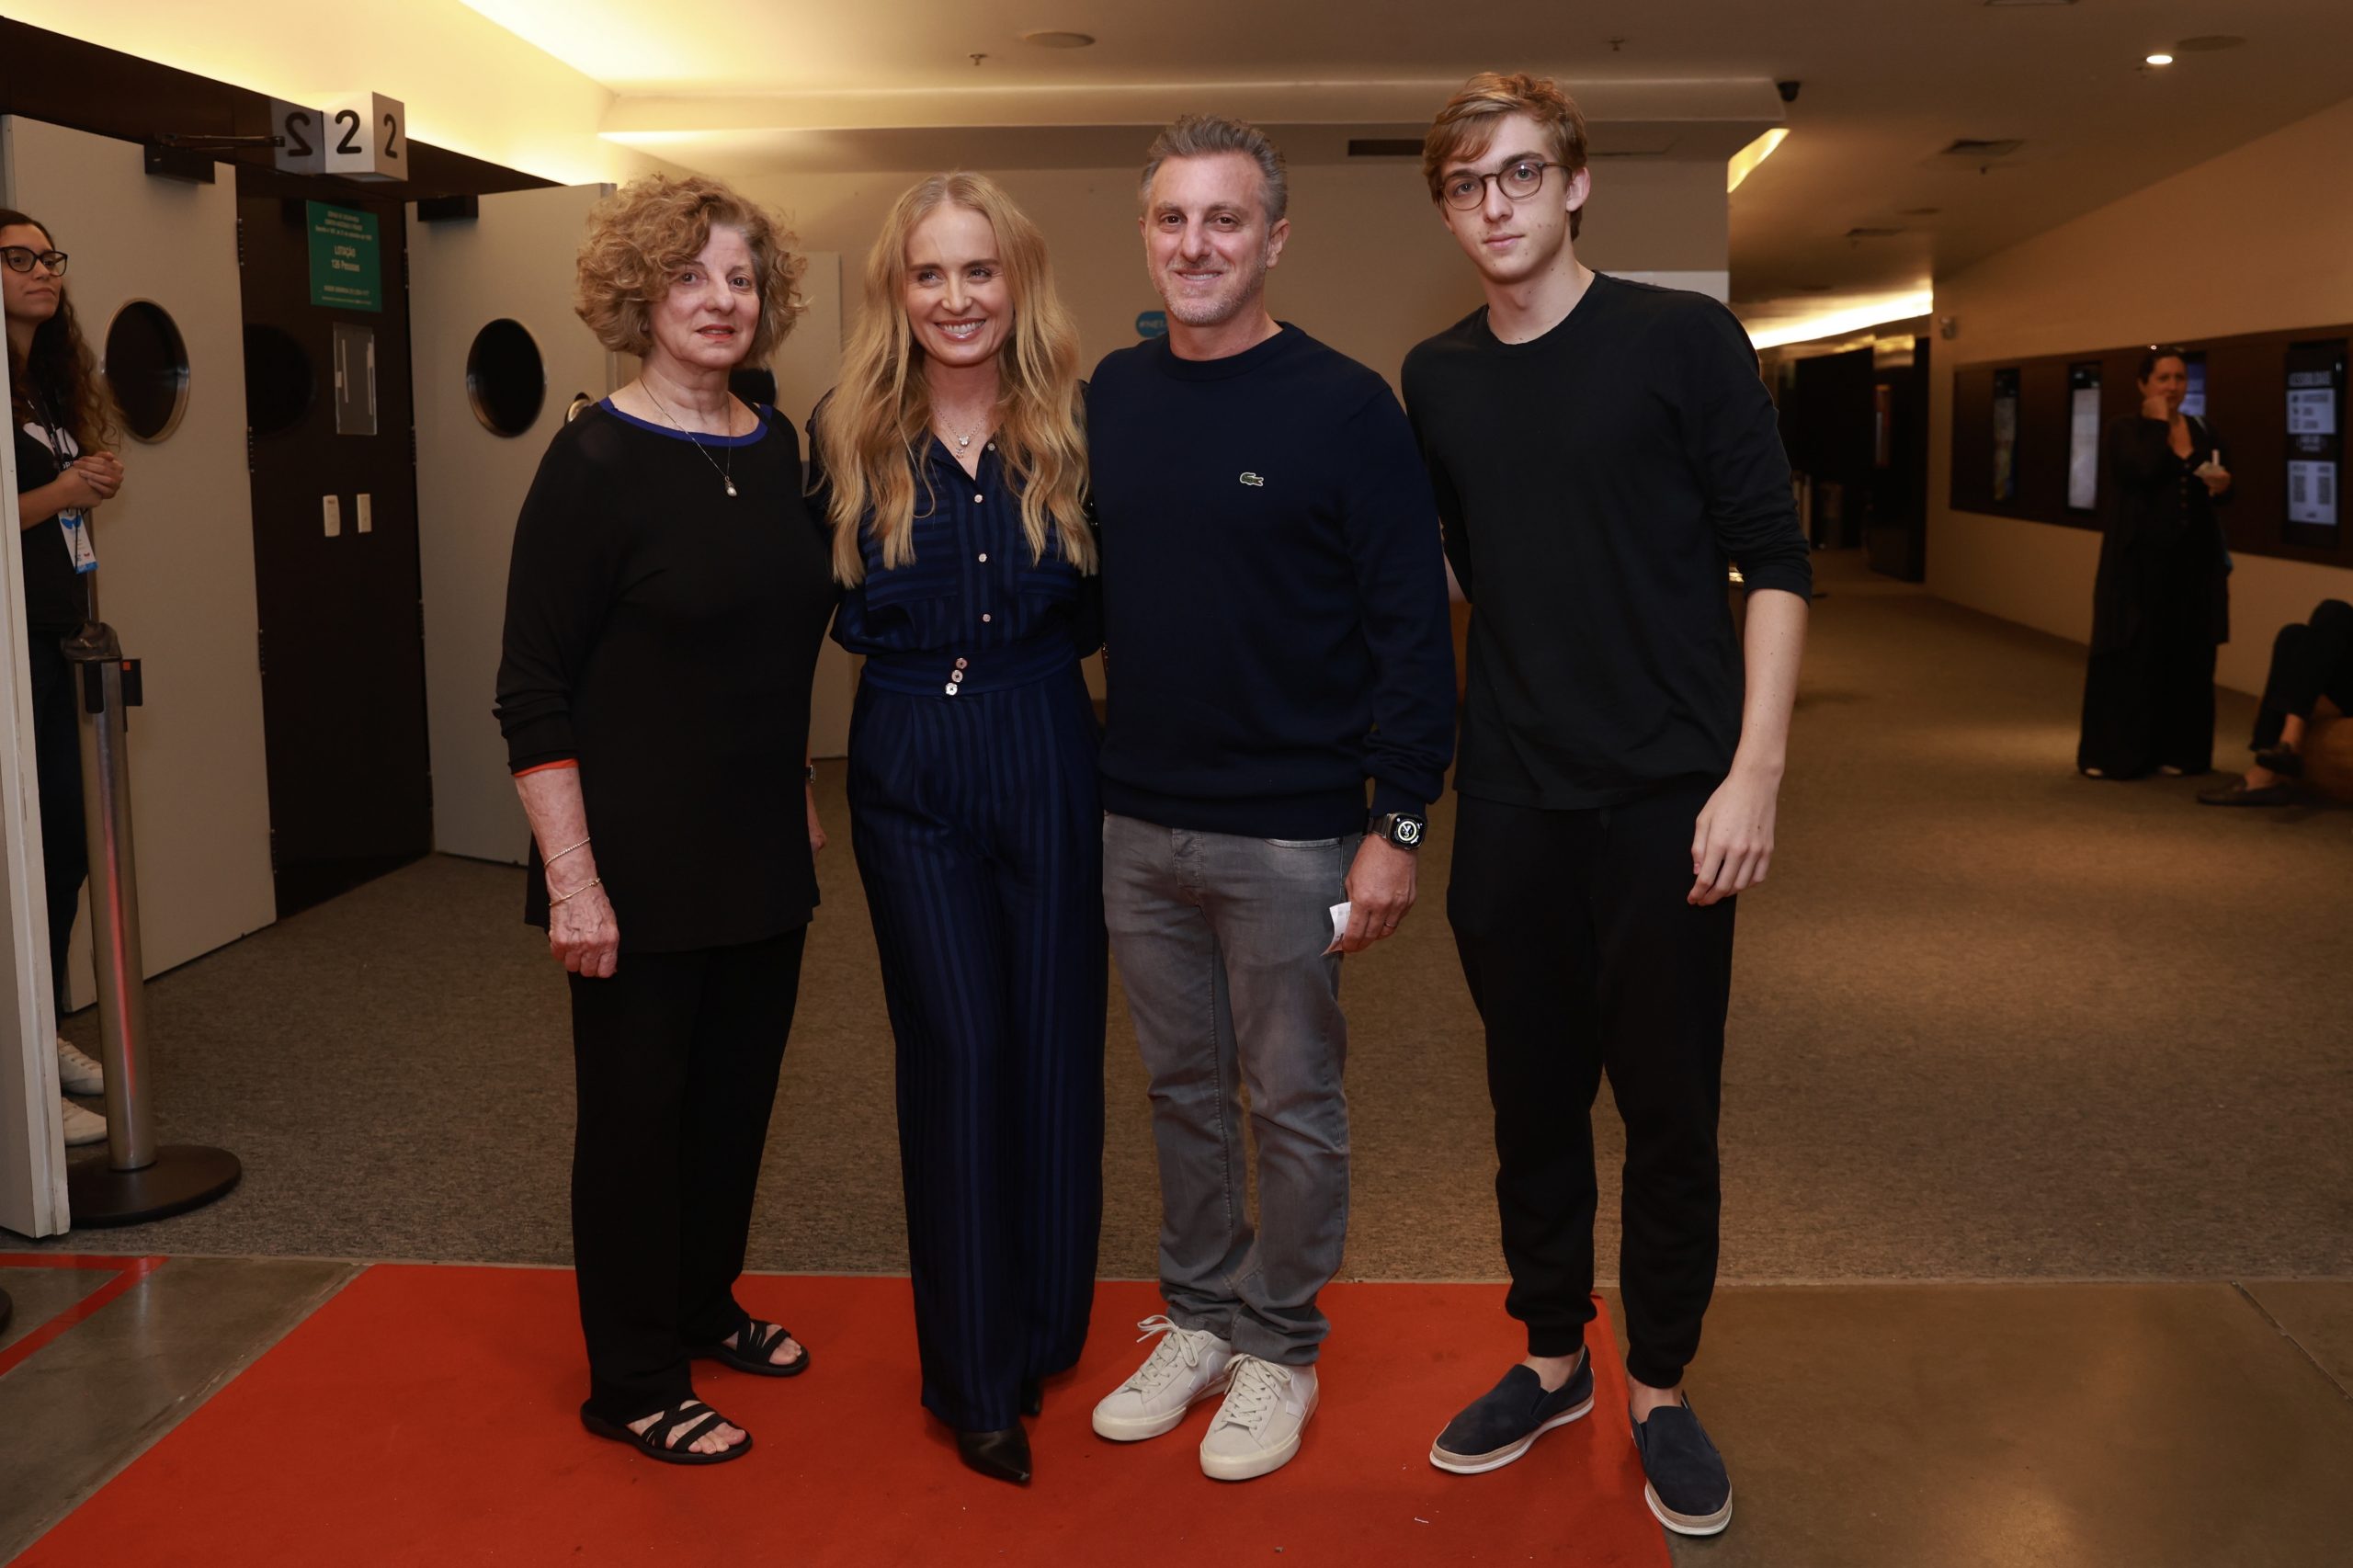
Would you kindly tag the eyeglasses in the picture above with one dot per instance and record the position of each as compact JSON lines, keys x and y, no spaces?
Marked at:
{"x":21,"y":258}
{"x":1521,"y":181}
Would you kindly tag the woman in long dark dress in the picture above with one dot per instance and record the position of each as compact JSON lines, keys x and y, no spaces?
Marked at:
{"x":954,"y":462}
{"x":2161,"y":601}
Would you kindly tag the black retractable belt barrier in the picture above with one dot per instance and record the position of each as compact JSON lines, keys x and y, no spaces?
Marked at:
{"x":136,"y":1180}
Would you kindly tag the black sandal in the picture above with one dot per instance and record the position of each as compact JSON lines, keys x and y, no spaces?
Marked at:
{"x":655,"y":1443}
{"x":755,"y":1343}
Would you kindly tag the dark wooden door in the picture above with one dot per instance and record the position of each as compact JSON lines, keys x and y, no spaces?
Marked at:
{"x":342,"y":641}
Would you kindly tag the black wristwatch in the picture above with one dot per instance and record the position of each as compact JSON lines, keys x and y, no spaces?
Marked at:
{"x":1402,"y":829}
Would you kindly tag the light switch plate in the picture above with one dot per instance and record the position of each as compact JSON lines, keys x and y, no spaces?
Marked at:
{"x":331,"y":514}
{"x":366,"y":513}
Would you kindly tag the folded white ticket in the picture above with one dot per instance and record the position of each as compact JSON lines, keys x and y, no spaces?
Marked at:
{"x":1339,"y":924}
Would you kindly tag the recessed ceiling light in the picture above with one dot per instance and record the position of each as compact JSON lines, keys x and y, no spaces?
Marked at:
{"x":2160,"y":60}
{"x":1054,"y":39}
{"x":2208,"y":43}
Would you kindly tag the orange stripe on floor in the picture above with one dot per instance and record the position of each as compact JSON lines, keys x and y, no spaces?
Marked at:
{"x":430,"y":1414}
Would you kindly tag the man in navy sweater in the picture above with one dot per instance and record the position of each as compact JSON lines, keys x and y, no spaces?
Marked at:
{"x":1276,"y":632}
{"x":1600,"y":450}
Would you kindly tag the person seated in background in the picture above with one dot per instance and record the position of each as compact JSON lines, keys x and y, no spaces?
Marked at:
{"x":2309,"y":660}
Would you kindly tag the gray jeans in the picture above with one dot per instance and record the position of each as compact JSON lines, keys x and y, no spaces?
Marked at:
{"x":1220,"y":942}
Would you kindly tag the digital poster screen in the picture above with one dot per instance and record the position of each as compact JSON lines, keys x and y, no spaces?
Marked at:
{"x":2193,"y":402}
{"x":2316,"y":375}
{"x":2083,"y":436}
{"x":2006,"y":435}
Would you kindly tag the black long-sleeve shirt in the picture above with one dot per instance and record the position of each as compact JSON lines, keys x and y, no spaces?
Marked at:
{"x":2160,"y":537}
{"x":663,"y":635}
{"x":1275,"y":624}
{"x":1594,"y":483}
{"x":56,"y":600}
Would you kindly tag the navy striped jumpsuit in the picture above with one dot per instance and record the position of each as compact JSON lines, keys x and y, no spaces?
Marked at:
{"x":977,"y":825}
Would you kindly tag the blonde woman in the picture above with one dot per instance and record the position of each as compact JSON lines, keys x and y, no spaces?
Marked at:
{"x":952,"y":463}
{"x":664,"y":608}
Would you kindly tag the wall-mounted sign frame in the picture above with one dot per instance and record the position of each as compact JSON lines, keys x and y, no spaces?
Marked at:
{"x":2005,"y":436}
{"x":2083,"y":436}
{"x":346,"y":257}
{"x":2315,"y":414}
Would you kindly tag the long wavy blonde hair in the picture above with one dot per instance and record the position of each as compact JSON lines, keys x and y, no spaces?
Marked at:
{"x":872,"y":434}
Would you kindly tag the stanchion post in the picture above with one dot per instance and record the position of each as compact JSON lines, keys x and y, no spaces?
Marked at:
{"x":137,"y":1180}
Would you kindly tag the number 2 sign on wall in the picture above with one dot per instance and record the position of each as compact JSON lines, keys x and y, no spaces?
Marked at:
{"x":365,"y":136}
{"x":301,"y":130}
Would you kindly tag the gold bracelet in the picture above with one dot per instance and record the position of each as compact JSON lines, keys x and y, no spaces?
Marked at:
{"x":564,"y":851}
{"x":576,"y":892}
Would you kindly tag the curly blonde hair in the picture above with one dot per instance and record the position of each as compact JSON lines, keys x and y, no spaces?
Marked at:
{"x":641,"y":236}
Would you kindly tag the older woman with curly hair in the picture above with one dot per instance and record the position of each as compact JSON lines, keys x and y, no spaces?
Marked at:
{"x":664,"y":606}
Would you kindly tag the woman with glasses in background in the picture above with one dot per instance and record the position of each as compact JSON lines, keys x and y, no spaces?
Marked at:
{"x":61,"y":421}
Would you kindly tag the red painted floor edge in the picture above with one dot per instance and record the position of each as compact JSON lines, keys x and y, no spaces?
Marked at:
{"x":132,"y":1271}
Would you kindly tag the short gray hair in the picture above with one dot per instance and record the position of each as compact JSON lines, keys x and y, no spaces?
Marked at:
{"x":1206,"y":136}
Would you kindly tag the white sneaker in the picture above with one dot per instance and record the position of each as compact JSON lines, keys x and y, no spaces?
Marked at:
{"x":1186,"y":1367}
{"x":82,"y":1126}
{"x":1258,"y":1427}
{"x":77,"y":1073}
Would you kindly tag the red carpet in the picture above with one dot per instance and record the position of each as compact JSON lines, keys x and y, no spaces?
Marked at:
{"x":430,"y":1415}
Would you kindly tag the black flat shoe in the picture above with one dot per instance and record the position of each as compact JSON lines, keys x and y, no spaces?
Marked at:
{"x":1033,"y":1399}
{"x":2236,"y":793}
{"x":1000,"y":1456}
{"x":2286,"y":764}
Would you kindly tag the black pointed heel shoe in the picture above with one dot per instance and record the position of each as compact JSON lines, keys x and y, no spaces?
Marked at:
{"x":1033,"y":1399}
{"x":1000,"y":1456}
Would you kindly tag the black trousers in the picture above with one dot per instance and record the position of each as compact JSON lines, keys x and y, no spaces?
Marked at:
{"x":2309,"y":660}
{"x":57,"y":769}
{"x":1583,"y":958}
{"x":675,"y":1059}
{"x":2150,"y":703}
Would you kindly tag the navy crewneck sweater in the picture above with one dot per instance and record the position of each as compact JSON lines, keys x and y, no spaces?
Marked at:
{"x":1274,"y":590}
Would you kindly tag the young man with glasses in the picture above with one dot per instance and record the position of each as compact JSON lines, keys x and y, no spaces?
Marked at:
{"x":1276,"y":627}
{"x":1600,"y":450}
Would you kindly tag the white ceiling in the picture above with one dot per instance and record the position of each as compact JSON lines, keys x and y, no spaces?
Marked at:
{"x":1887,"y":85}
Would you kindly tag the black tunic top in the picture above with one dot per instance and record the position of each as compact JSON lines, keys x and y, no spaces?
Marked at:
{"x":2161,"y":541}
{"x":1593,"y":482}
{"x":664,"y":636}
{"x":56,"y":600}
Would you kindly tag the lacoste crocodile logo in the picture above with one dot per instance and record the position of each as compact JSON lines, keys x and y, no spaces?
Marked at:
{"x":1254,"y":481}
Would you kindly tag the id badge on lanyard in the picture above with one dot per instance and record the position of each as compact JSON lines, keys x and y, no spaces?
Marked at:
{"x":78,"y":549}
{"x":77,"y":542}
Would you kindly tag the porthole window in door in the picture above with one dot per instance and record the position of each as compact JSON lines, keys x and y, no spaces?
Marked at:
{"x":279,"y":383}
{"x":146,"y":368}
{"x":505,"y":378}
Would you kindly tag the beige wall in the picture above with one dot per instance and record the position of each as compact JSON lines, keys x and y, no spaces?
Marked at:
{"x":2259,"y":239}
{"x":1367,"y":269}
{"x":465,"y":83}
{"x":176,"y":549}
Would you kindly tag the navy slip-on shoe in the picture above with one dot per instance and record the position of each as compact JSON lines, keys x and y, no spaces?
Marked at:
{"x":1688,"y":1490}
{"x":1500,"y":1425}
